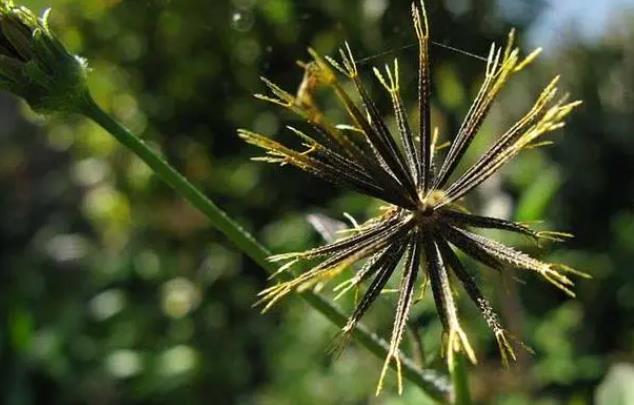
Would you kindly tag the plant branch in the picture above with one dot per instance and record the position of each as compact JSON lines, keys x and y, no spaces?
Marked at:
{"x":460,"y":379}
{"x":432,"y":382}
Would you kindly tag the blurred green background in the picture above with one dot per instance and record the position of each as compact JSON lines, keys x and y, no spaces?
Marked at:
{"x":114,"y":290}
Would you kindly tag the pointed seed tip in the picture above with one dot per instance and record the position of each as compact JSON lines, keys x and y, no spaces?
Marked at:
{"x":313,"y":53}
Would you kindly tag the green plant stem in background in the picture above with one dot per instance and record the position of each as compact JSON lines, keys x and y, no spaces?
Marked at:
{"x":460,"y":380}
{"x":433,"y":383}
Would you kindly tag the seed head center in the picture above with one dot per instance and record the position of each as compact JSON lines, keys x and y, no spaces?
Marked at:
{"x":427,"y":206}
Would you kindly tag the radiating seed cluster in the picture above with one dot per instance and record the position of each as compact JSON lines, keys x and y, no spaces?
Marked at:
{"x":422,"y":225}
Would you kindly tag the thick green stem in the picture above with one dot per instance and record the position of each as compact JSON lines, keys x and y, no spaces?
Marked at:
{"x":433,"y":383}
{"x":460,"y":379}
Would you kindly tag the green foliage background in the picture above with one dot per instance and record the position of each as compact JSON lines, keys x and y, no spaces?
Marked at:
{"x":113,"y":290}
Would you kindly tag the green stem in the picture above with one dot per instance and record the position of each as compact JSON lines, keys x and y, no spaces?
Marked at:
{"x":460,"y":379}
{"x":430,"y":381}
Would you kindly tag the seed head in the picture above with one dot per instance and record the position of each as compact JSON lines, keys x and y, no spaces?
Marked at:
{"x":423,"y":224}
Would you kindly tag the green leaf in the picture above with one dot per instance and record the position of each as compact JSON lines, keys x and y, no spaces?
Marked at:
{"x":535,"y":199}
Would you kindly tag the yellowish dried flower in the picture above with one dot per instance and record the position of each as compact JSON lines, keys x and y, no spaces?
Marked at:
{"x":423,"y":223}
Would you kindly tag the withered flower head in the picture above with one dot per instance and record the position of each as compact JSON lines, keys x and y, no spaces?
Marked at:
{"x":35,"y":65}
{"x":423,"y":224}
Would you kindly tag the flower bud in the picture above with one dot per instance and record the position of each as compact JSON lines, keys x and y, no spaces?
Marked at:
{"x":35,"y":65}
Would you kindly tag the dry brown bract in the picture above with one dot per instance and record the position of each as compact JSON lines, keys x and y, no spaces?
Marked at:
{"x":423,"y":224}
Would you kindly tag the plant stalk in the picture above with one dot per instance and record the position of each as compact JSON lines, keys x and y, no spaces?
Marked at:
{"x":430,"y":381}
{"x":460,"y":379}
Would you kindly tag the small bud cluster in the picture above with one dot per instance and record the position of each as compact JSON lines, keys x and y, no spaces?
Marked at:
{"x":35,"y":65}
